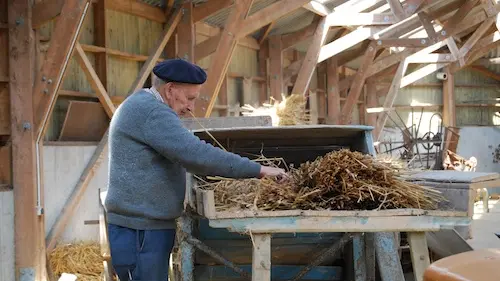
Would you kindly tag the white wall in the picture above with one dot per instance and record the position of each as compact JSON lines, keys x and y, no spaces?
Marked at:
{"x":63,"y":166}
{"x":7,"y":267}
{"x":480,"y":142}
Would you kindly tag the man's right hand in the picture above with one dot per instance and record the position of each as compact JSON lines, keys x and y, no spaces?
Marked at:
{"x":279,"y":173}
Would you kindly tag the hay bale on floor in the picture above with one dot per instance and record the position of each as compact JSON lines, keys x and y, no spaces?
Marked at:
{"x":290,"y":111}
{"x":82,"y":259}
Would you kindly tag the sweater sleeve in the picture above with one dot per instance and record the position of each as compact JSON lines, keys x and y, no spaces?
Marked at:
{"x":164,"y":132}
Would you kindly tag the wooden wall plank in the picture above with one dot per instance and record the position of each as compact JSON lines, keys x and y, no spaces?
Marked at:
{"x":100,"y":39}
{"x":4,"y":109}
{"x":5,"y":165}
{"x":85,"y":121}
{"x":21,"y":65}
{"x":333,"y":91}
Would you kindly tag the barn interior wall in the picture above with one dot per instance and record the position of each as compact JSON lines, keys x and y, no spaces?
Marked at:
{"x":472,"y":89}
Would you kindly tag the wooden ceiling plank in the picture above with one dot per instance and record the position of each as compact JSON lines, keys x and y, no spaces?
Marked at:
{"x":94,"y":80}
{"x":222,"y":57}
{"x":311,"y":60}
{"x":49,"y":78}
{"x":203,"y":11}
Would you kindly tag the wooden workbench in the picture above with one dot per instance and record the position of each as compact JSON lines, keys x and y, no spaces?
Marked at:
{"x":461,"y":189}
{"x":379,"y":225}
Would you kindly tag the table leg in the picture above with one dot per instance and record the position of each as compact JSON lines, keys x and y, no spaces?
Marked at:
{"x":419,"y":254}
{"x":485,"y":195}
{"x":387,"y":257}
{"x":370,"y":256}
{"x":358,"y":251}
{"x":186,"y":249}
{"x":261,"y":257}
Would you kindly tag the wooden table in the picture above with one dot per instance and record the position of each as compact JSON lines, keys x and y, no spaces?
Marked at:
{"x":363,"y":225}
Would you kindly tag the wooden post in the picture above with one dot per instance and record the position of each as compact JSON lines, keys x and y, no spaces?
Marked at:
{"x":21,"y":72}
{"x":371,"y":101}
{"x":449,"y":116}
{"x":311,"y":59}
{"x":186,"y":33}
{"x":261,"y":257}
{"x":263,"y":73}
{"x":321,"y":91}
{"x":100,"y":27}
{"x":332,"y":81}
{"x":275,"y":67}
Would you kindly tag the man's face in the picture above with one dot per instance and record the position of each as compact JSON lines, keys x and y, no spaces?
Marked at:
{"x":181,"y":97}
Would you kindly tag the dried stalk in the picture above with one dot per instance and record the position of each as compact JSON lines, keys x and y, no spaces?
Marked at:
{"x":339,"y":180}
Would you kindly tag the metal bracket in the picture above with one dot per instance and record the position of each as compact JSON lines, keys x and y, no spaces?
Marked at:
{"x":27,"y":274}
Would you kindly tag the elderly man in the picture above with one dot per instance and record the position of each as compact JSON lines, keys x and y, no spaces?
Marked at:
{"x":149,"y":153}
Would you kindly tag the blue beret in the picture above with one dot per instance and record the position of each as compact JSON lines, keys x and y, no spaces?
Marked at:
{"x":179,"y":70}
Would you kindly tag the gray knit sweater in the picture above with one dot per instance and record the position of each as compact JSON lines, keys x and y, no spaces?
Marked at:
{"x":149,"y":153}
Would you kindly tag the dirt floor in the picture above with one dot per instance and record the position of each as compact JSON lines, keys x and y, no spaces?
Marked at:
{"x":485,"y":225}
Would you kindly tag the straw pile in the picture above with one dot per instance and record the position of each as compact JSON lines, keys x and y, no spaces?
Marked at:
{"x":290,"y":111}
{"x":81,"y":259}
{"x":340,"y":180}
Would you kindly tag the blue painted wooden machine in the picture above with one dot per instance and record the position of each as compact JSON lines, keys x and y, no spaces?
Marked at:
{"x":295,"y":244}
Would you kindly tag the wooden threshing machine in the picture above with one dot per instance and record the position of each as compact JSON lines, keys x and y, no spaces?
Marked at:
{"x":295,"y":244}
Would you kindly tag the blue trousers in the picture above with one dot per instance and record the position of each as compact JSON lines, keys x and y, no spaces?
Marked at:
{"x":140,"y":255}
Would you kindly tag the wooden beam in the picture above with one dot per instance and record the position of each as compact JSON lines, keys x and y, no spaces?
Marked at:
{"x":397,"y":9}
{"x":264,"y":35}
{"x":457,"y":17}
{"x":94,"y":81}
{"x":357,"y":84}
{"x":428,"y":26}
{"x":202,"y":11}
{"x":157,"y":51}
{"x":317,"y":8}
{"x":371,"y":101}
{"x":100,"y":39}
{"x":449,"y":116}
{"x":346,"y":42}
{"x":431,"y":58}
{"x":485,"y":71}
{"x":333,"y":91}
{"x":267,"y":15}
{"x":48,"y":80}
{"x":406,"y":42}
{"x":220,"y":62}
{"x":209,"y":46}
{"x":21,"y":64}
{"x":291,"y":39}
{"x":137,"y":8}
{"x":275,"y":67}
{"x":311,"y":59}
{"x":389,"y":99}
{"x":186,"y":34}
{"x":46,"y":11}
{"x":421,"y":73}
{"x":358,"y":19}
{"x":478,"y":33}
{"x":321,"y":90}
